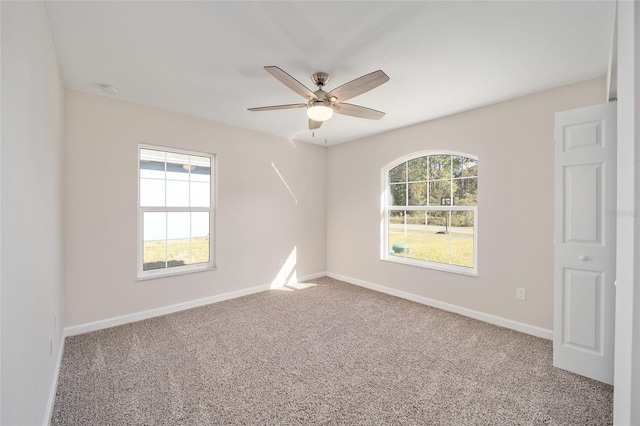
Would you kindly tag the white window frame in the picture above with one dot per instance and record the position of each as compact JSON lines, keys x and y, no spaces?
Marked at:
{"x":386,"y":209}
{"x":185,"y":269}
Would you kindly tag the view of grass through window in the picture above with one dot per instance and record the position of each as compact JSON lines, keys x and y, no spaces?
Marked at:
{"x":168,"y":253}
{"x":431,"y":209}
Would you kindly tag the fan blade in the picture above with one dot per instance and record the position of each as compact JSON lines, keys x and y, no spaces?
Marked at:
{"x":291,"y":82}
{"x":357,"y":111}
{"x":358,"y":86}
{"x":314,"y":124}
{"x":275,"y":107}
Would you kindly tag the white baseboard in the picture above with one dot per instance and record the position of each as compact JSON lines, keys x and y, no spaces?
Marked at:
{"x":312,"y":277}
{"x":54,"y":384}
{"x":138,"y":316}
{"x":491,"y":319}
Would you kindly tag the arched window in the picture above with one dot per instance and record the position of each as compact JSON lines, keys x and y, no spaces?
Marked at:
{"x":430,"y":211}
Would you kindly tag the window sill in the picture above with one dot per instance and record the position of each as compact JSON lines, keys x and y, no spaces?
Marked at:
{"x":165,"y":274}
{"x":460,"y":270}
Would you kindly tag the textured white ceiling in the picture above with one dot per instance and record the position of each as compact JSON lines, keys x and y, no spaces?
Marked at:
{"x":206,"y":59}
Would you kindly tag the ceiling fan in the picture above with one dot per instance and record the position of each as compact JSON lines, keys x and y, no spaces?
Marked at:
{"x":321,"y":105}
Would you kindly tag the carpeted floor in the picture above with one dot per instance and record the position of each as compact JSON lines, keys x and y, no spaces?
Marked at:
{"x":322,"y":353}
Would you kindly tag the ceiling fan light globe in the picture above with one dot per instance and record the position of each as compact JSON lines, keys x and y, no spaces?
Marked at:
{"x":319,"y":112}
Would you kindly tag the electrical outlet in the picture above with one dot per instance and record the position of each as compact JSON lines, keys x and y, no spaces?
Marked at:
{"x":521,"y":294}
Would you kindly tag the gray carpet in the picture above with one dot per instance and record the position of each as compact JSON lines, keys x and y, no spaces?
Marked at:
{"x":331,"y":353}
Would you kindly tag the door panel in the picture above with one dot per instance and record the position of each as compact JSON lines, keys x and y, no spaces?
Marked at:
{"x":584,"y":270}
{"x":583,"y":198}
{"x":582,"y":298}
{"x":583,"y":135}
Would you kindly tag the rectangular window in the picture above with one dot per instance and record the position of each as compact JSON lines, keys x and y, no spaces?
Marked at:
{"x":176,"y":211}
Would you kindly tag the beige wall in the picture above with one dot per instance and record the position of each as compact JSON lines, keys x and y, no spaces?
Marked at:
{"x":259,"y":221}
{"x":31,"y":245}
{"x":513,"y":141}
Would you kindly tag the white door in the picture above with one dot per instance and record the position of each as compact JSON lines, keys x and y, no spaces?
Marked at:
{"x":585,"y":241}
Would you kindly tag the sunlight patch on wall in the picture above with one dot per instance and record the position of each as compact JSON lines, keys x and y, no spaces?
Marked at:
{"x":295,"y":200}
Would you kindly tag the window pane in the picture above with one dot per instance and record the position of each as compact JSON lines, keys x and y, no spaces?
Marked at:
{"x":200,"y":194}
{"x":398,"y":173}
{"x":178,"y":252}
{"x":437,"y":221}
{"x":458,"y":165}
{"x":199,"y":250}
{"x":465,"y":192}
{"x":397,"y":218}
{"x":470,"y":167}
{"x":418,"y":169}
{"x":152,"y":164}
{"x":200,"y":169}
{"x":177,"y":194}
{"x":461,"y":236}
{"x":440,"y":193}
{"x":152,"y":170}
{"x":398,"y":194}
{"x":416,"y":237}
{"x":200,"y":224}
{"x":154,"y":226}
{"x":398,"y":244}
{"x":152,"y":192}
{"x":154,"y":256}
{"x":154,"y":240}
{"x":415,"y":218}
{"x":201,"y":174}
{"x":397,"y":233}
{"x":438,"y":237}
{"x":418,"y":194}
{"x":178,"y":225}
{"x":417,"y":242}
{"x":439,"y":167}
{"x":199,"y":237}
{"x":178,"y":239}
{"x":407,"y":234}
{"x":178,"y":166}
{"x":464,"y":167}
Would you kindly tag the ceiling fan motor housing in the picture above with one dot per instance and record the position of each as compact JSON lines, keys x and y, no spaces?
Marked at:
{"x":320,"y":78}
{"x":321,"y":96}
